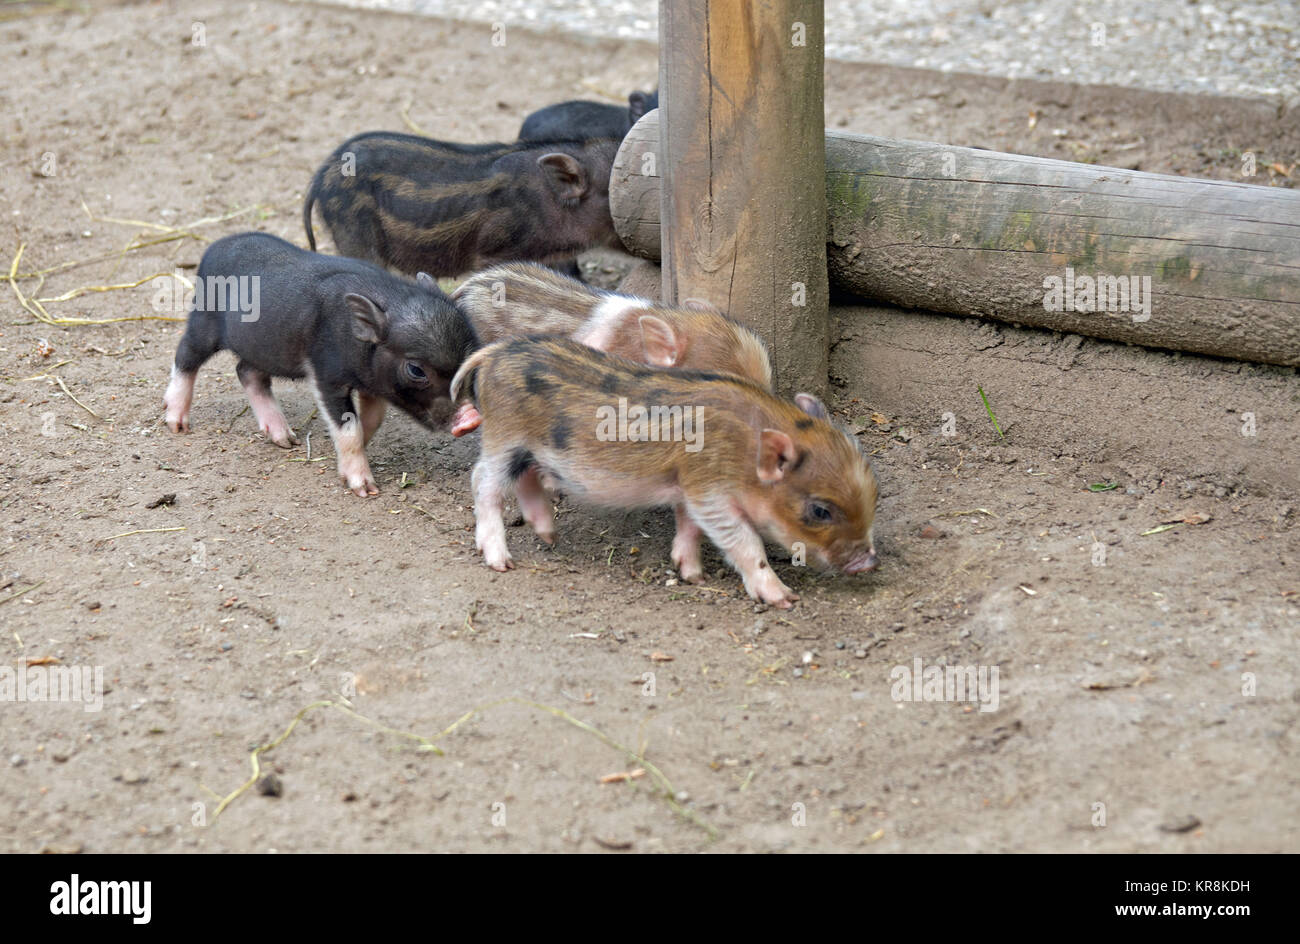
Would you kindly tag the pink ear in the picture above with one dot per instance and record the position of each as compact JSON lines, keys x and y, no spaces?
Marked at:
{"x":660,"y":343}
{"x":811,"y":405}
{"x":775,"y":452}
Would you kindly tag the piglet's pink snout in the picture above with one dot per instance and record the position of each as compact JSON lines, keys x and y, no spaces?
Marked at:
{"x":862,"y":563}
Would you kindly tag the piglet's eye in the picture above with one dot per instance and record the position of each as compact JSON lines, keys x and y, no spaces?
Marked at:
{"x":818,"y":512}
{"x":415,"y":374}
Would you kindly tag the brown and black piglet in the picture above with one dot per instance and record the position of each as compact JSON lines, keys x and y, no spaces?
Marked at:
{"x":738,"y":462}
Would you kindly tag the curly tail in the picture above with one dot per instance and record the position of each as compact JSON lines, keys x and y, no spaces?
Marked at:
{"x":472,"y":363}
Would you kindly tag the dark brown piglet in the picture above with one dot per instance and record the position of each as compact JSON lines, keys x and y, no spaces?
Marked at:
{"x":348,"y":326}
{"x":419,"y":205}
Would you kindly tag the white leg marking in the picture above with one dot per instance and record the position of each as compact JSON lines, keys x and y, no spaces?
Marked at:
{"x":177,"y":399}
{"x":490,"y":526}
{"x":727,"y":528}
{"x":270,"y":418}
{"x":354,"y":470}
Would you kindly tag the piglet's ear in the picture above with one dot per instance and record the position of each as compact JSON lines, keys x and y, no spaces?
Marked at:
{"x":565,"y":174}
{"x":425,"y":279}
{"x":775,"y":452}
{"x":699,"y":304}
{"x":811,"y":405}
{"x":369,"y":323}
{"x":636,"y":105}
{"x":662,"y":346}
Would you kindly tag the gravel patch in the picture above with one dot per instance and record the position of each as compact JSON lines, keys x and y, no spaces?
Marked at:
{"x":1248,"y":49}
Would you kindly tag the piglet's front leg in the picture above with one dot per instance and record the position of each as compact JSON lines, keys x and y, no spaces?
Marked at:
{"x":727,"y":527}
{"x":348,"y":433}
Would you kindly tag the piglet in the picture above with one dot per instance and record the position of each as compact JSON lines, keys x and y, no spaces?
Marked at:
{"x":525,"y":299}
{"x":583,"y":119}
{"x":348,"y":326}
{"x":416,"y":204}
{"x":738,"y":462}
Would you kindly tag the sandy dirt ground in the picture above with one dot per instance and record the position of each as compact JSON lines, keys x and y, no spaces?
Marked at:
{"x":1147,"y":693}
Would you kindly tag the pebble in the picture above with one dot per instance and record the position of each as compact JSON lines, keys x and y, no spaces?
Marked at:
{"x":1180,"y":824}
{"x":227,"y":646}
{"x":17,"y":760}
{"x":270,"y":785}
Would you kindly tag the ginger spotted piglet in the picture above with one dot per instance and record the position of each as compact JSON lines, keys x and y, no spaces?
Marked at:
{"x":523,"y":298}
{"x":738,"y":462}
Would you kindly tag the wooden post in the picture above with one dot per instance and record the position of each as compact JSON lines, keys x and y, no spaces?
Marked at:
{"x":742,"y":157}
{"x":1057,"y":245}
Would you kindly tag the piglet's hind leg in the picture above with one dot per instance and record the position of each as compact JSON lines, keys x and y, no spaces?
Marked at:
{"x":490,"y":478}
{"x":202,"y":339}
{"x":177,"y":399}
{"x":270,"y":418}
{"x":686,"y":547}
{"x":534,"y":505}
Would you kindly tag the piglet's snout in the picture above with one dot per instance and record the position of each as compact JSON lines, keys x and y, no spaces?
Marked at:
{"x":862,"y":563}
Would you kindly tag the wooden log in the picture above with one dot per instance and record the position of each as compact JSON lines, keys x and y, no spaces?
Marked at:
{"x":1206,"y":266}
{"x":741,"y":150}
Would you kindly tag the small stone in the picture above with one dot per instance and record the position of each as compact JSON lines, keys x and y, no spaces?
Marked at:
{"x":17,"y":760}
{"x":681,"y":796}
{"x":1180,"y":824}
{"x":270,"y":785}
{"x":131,"y":775}
{"x":840,"y":644}
{"x":859,"y":653}
{"x":248,"y":693}
{"x":798,"y":673}
{"x":227,"y":646}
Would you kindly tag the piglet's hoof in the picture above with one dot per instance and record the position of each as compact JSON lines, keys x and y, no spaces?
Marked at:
{"x":466,"y":419}
{"x":363,"y":486}
{"x":280,"y":434}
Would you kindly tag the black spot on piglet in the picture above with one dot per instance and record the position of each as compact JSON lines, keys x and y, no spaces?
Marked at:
{"x":520,"y":460}
{"x":536,"y":384}
{"x":560,"y":434}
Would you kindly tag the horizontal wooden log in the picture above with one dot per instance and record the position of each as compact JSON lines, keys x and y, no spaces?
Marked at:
{"x":1192,"y":265}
